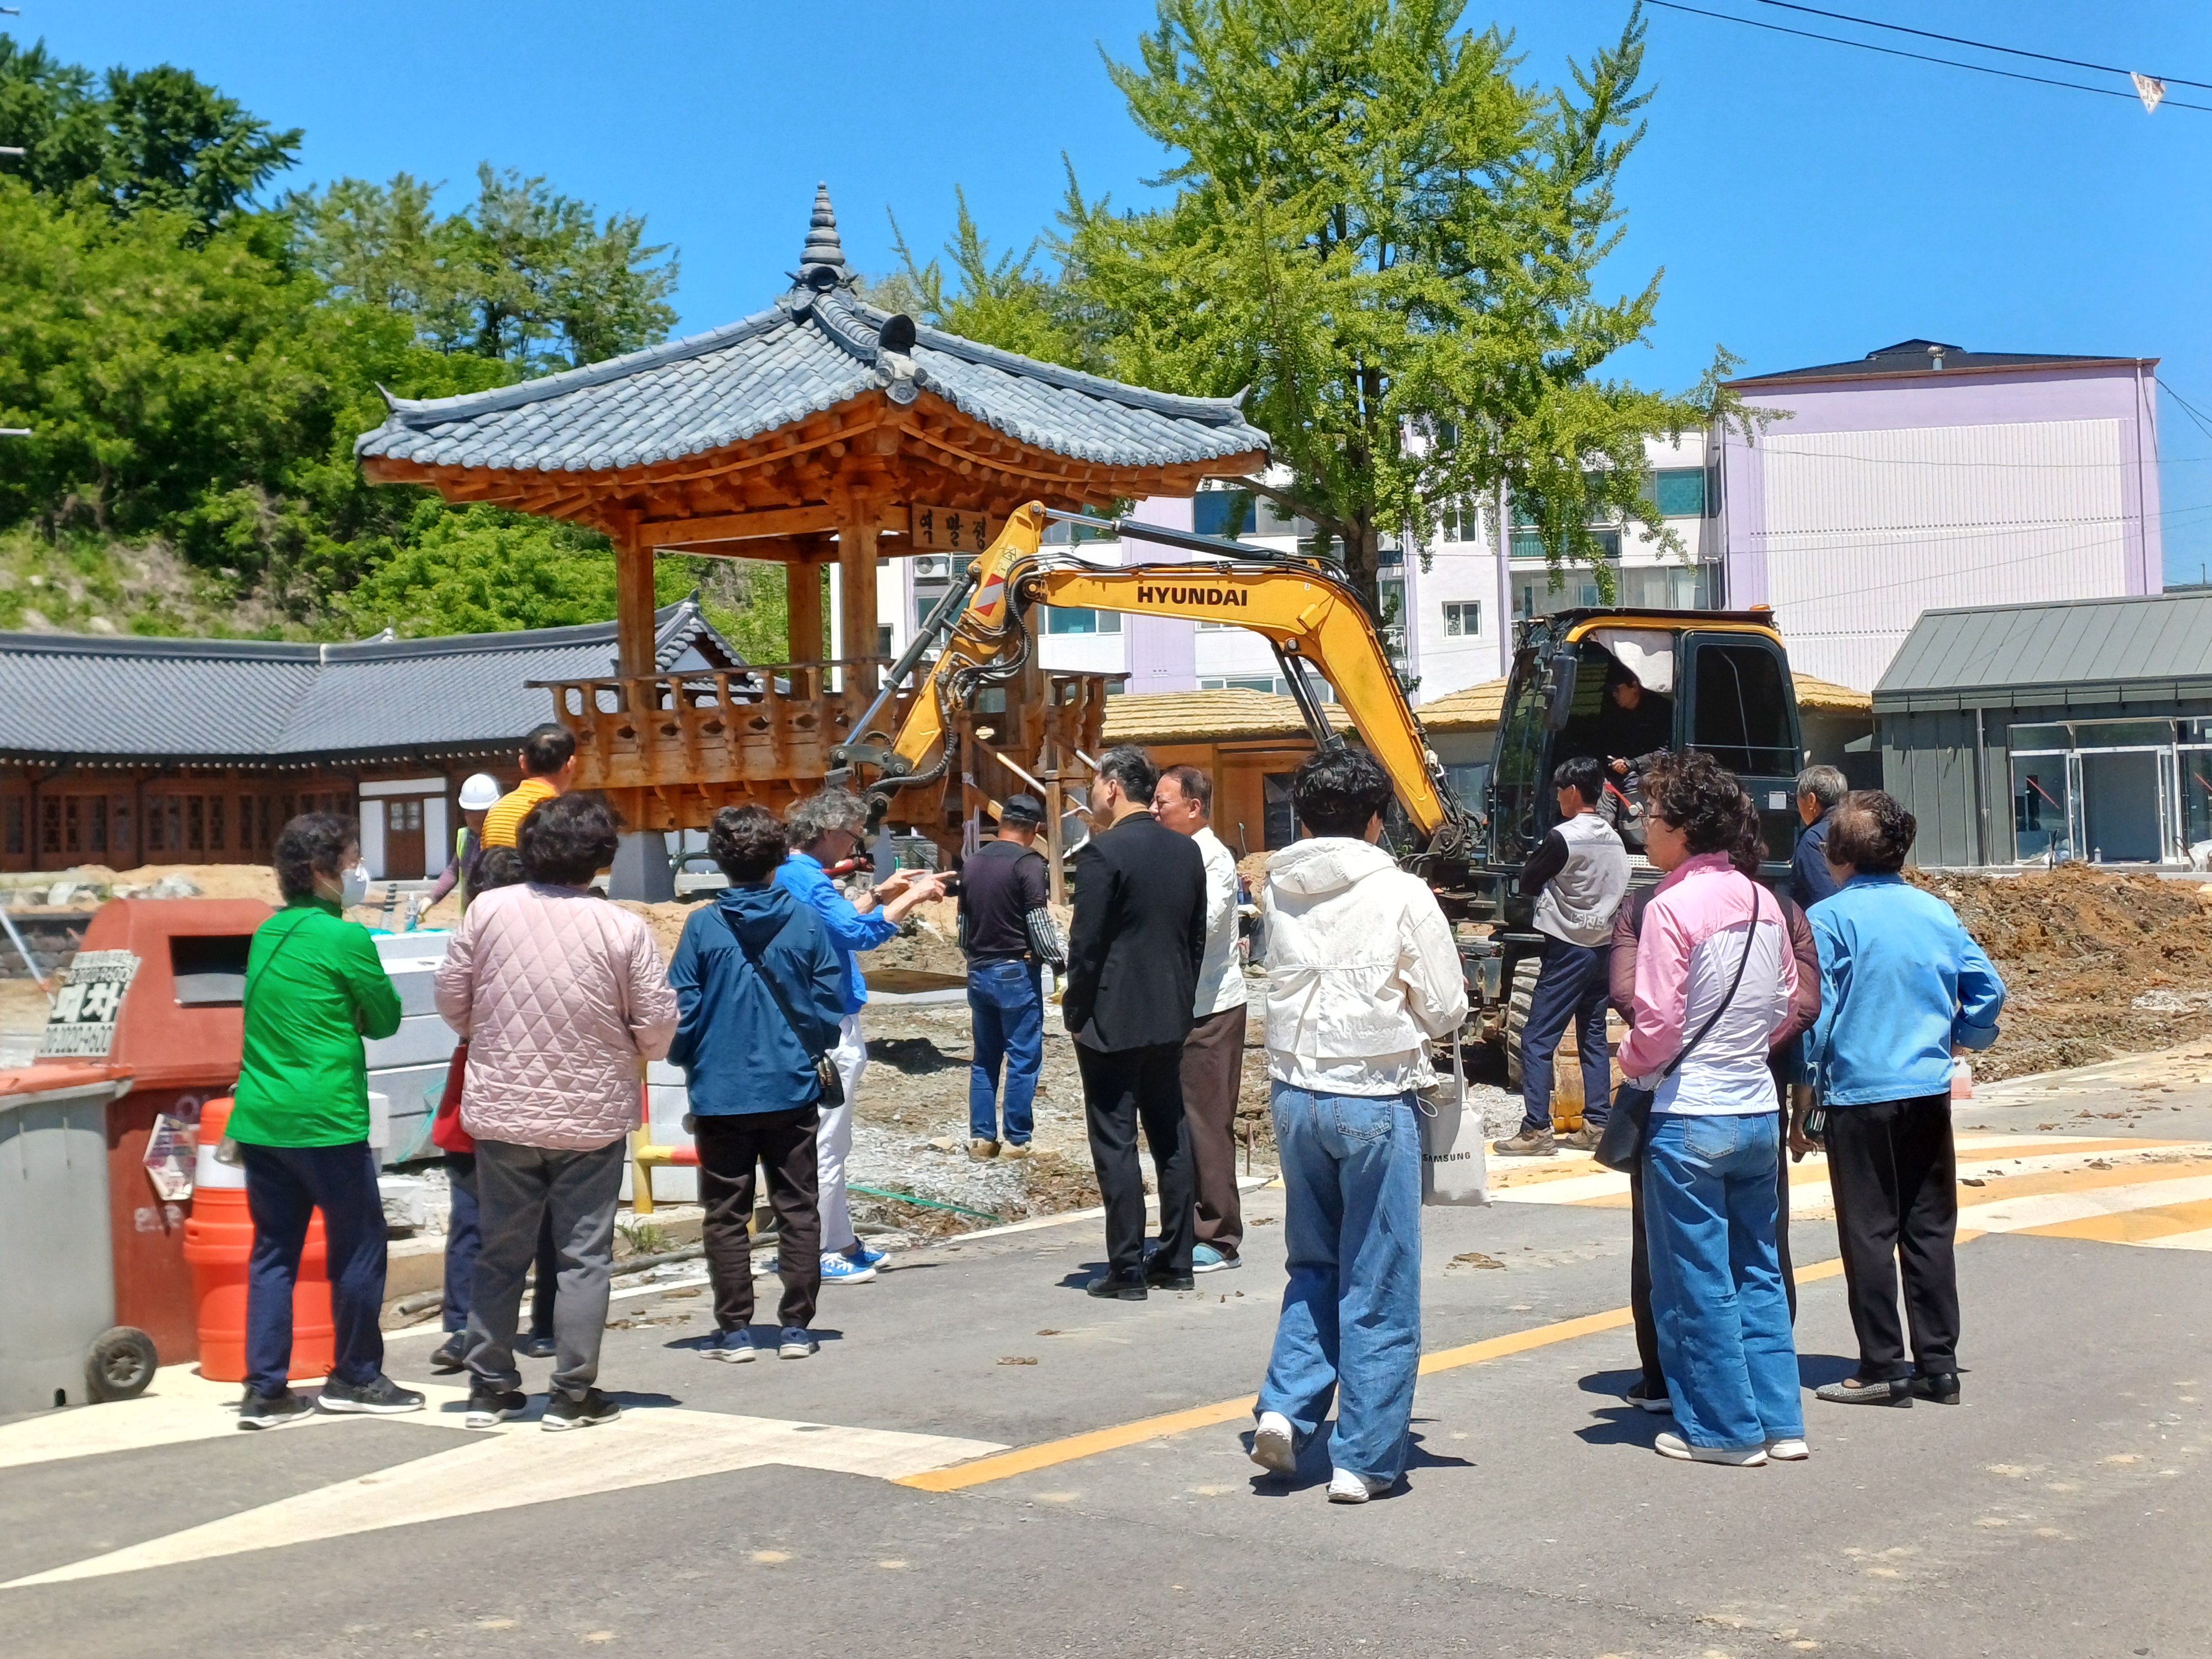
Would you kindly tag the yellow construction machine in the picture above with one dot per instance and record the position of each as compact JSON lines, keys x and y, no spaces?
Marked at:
{"x":1717,"y":681}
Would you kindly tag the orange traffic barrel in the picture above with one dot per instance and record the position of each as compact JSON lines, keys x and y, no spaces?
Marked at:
{"x":218,"y":1246}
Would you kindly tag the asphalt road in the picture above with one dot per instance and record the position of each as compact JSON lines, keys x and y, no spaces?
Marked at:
{"x":2062,"y":1511}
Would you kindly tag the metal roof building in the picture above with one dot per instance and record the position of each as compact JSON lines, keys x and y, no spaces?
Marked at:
{"x":2032,"y":733}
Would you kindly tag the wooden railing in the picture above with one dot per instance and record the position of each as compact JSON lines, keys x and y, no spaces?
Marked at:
{"x":671,"y":749}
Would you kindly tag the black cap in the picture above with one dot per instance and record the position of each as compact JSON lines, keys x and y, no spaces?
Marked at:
{"x":1022,"y":809}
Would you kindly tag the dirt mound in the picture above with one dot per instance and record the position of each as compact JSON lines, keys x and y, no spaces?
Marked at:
{"x":2094,"y":965}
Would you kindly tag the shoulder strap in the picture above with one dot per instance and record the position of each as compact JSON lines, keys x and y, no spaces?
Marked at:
{"x":1749,"y":934}
{"x":766,"y":978}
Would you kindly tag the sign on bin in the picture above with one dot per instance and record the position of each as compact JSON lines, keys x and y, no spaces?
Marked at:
{"x":82,"y":1023}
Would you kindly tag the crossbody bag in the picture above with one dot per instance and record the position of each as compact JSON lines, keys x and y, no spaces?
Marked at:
{"x":1628,"y":1126}
{"x":825,"y":1069}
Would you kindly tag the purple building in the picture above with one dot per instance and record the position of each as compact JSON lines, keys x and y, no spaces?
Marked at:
{"x":1924,"y":477}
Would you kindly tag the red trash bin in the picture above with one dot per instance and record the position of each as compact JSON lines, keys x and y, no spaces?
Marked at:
{"x":218,"y":1245}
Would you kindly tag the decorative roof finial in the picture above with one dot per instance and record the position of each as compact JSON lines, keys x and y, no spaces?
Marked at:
{"x":822,"y":266}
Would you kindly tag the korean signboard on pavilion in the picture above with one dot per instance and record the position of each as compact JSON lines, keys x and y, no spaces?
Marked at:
{"x":948,"y":529}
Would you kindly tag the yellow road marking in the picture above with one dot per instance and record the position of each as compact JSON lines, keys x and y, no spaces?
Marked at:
{"x":1029,"y":1459}
{"x":2130,"y":1226}
{"x":2003,"y":1188}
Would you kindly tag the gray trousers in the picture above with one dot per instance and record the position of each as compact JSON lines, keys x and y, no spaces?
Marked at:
{"x":518,"y":1188}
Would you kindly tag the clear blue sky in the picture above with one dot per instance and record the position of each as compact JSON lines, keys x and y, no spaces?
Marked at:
{"x":1808,"y":202}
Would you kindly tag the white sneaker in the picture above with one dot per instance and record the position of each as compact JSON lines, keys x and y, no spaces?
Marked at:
{"x":1746,"y":1457}
{"x":1349,"y":1486}
{"x":1275,"y":1445}
{"x":1789,"y":1451}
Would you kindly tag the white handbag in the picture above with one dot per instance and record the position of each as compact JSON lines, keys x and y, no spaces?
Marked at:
{"x":1453,"y":1169}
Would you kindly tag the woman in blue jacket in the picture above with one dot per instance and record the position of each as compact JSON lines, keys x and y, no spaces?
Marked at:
{"x":760,"y":989}
{"x":1903,"y":989}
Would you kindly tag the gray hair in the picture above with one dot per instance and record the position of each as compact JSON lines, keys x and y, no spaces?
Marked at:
{"x":1824,"y":784}
{"x":817,"y":815}
{"x":1133,"y":769}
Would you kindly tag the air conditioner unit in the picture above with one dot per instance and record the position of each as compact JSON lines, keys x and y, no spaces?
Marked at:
{"x":933,"y":568}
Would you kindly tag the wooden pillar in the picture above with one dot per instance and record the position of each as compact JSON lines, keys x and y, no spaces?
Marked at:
{"x":1056,"y":806}
{"x":633,"y":632}
{"x":856,"y":597}
{"x":802,"y":590}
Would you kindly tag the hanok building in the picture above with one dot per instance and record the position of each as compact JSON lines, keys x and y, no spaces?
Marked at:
{"x":131,"y":752}
{"x":822,"y":433}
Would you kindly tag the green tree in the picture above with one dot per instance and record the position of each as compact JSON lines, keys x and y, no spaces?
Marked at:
{"x":1394,"y":242}
{"x":524,"y":274}
{"x":153,"y":138}
{"x":1007,"y":299}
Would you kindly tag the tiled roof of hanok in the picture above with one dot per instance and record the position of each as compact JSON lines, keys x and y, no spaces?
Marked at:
{"x":94,"y":698}
{"x":817,"y":347}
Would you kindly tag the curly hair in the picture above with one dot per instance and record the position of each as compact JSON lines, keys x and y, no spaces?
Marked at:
{"x":1340,"y":791}
{"x":748,"y":843}
{"x":830,"y":809}
{"x":566,"y":840}
{"x":499,"y":866}
{"x":1702,"y":798}
{"x":312,"y":844}
{"x":1872,"y":832}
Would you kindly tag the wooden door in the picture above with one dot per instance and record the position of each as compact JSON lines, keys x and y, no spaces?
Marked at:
{"x":403,"y":838}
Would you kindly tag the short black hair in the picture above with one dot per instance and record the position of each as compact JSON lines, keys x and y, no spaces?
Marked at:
{"x":312,"y":843}
{"x":1133,"y":769}
{"x":1584,"y":774}
{"x":1871,"y":831}
{"x":1339,"y":791}
{"x":566,"y":840}
{"x":749,"y":842}
{"x":499,"y":866}
{"x":548,"y":749}
{"x":1194,"y":784}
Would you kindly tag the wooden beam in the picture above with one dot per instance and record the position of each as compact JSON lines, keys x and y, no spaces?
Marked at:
{"x":781,"y":549}
{"x":856,"y":592}
{"x":740,"y":526}
{"x":634,"y":630}
{"x":802,"y":593}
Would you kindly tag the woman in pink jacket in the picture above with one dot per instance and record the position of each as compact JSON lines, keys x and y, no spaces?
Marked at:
{"x":560,"y":996}
{"x":1715,"y":974}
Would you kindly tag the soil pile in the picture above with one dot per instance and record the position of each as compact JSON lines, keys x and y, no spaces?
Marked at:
{"x":2094,"y":965}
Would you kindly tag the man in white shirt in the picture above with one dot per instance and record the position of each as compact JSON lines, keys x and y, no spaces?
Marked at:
{"x":1214,"y":1054}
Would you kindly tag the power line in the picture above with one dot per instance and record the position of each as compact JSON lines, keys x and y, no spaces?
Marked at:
{"x":1982,"y":46}
{"x":1918,"y":57}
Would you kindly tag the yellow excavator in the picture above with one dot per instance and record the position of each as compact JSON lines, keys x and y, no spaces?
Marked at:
{"x":1717,"y":681}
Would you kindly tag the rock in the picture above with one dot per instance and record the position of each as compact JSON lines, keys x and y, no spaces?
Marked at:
{"x":406,"y":1202}
{"x":173,"y":886}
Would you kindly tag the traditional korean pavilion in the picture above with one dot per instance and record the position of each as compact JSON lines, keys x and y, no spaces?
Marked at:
{"x":820,"y":431}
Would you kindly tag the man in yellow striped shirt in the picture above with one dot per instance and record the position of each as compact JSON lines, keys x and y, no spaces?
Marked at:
{"x":548,"y":766}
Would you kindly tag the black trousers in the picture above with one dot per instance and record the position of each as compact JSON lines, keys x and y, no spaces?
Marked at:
{"x":1122,"y":1088}
{"x":730,"y":1145}
{"x":1895,"y":1178}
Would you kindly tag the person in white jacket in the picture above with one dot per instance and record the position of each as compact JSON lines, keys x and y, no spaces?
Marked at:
{"x":1361,"y":972}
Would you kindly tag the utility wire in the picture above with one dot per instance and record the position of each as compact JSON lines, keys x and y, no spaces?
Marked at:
{"x":1982,"y":46}
{"x":1918,"y":57}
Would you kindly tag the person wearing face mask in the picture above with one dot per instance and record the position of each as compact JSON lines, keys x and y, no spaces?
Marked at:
{"x":314,"y":987}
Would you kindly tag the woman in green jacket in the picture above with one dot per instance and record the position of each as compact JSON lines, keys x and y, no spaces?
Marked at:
{"x":314,"y":986}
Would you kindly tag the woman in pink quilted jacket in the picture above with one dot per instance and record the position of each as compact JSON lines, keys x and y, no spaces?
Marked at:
{"x":561,"y":995}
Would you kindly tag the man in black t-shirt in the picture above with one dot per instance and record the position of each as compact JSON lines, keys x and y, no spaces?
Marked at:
{"x":1006,"y":932}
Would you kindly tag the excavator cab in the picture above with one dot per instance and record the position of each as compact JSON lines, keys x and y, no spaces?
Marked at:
{"x":1623,"y":686}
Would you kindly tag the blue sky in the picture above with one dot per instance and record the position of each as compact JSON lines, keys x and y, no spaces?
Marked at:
{"x":1808,"y":202}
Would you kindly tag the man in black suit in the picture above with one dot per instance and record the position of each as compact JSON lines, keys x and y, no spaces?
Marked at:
{"x":1133,"y":962}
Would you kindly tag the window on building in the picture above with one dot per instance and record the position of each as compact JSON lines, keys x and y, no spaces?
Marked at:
{"x":1226,"y":512}
{"x":1064,"y":619}
{"x":1245,"y":682}
{"x":1279,"y":825}
{"x":1678,"y":492}
{"x":882,"y":639}
{"x":1463,"y":618}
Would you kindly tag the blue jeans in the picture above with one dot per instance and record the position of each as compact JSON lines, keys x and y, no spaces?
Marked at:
{"x":1007,"y":1003}
{"x":1352,"y":1313}
{"x":1716,"y":1291}
{"x":1571,"y":989}
{"x":284,"y":1186}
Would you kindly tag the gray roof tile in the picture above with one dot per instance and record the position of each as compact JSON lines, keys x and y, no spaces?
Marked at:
{"x":815,"y":348}
{"x":245,"y":701}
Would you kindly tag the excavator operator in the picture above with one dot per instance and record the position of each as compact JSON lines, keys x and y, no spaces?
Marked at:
{"x":1637,"y":725}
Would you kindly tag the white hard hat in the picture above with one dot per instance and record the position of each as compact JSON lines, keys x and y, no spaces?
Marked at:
{"x":480,"y":792}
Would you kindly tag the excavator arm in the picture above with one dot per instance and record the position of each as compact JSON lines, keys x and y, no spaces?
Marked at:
{"x":1306,"y":613}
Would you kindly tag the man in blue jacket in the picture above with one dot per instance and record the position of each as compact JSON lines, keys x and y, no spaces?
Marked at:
{"x":1903,"y":987}
{"x":827,"y":828}
{"x":1819,"y":789}
{"x":760,"y":991}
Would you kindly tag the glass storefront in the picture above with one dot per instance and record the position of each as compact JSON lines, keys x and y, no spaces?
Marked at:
{"x":2110,"y":791}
